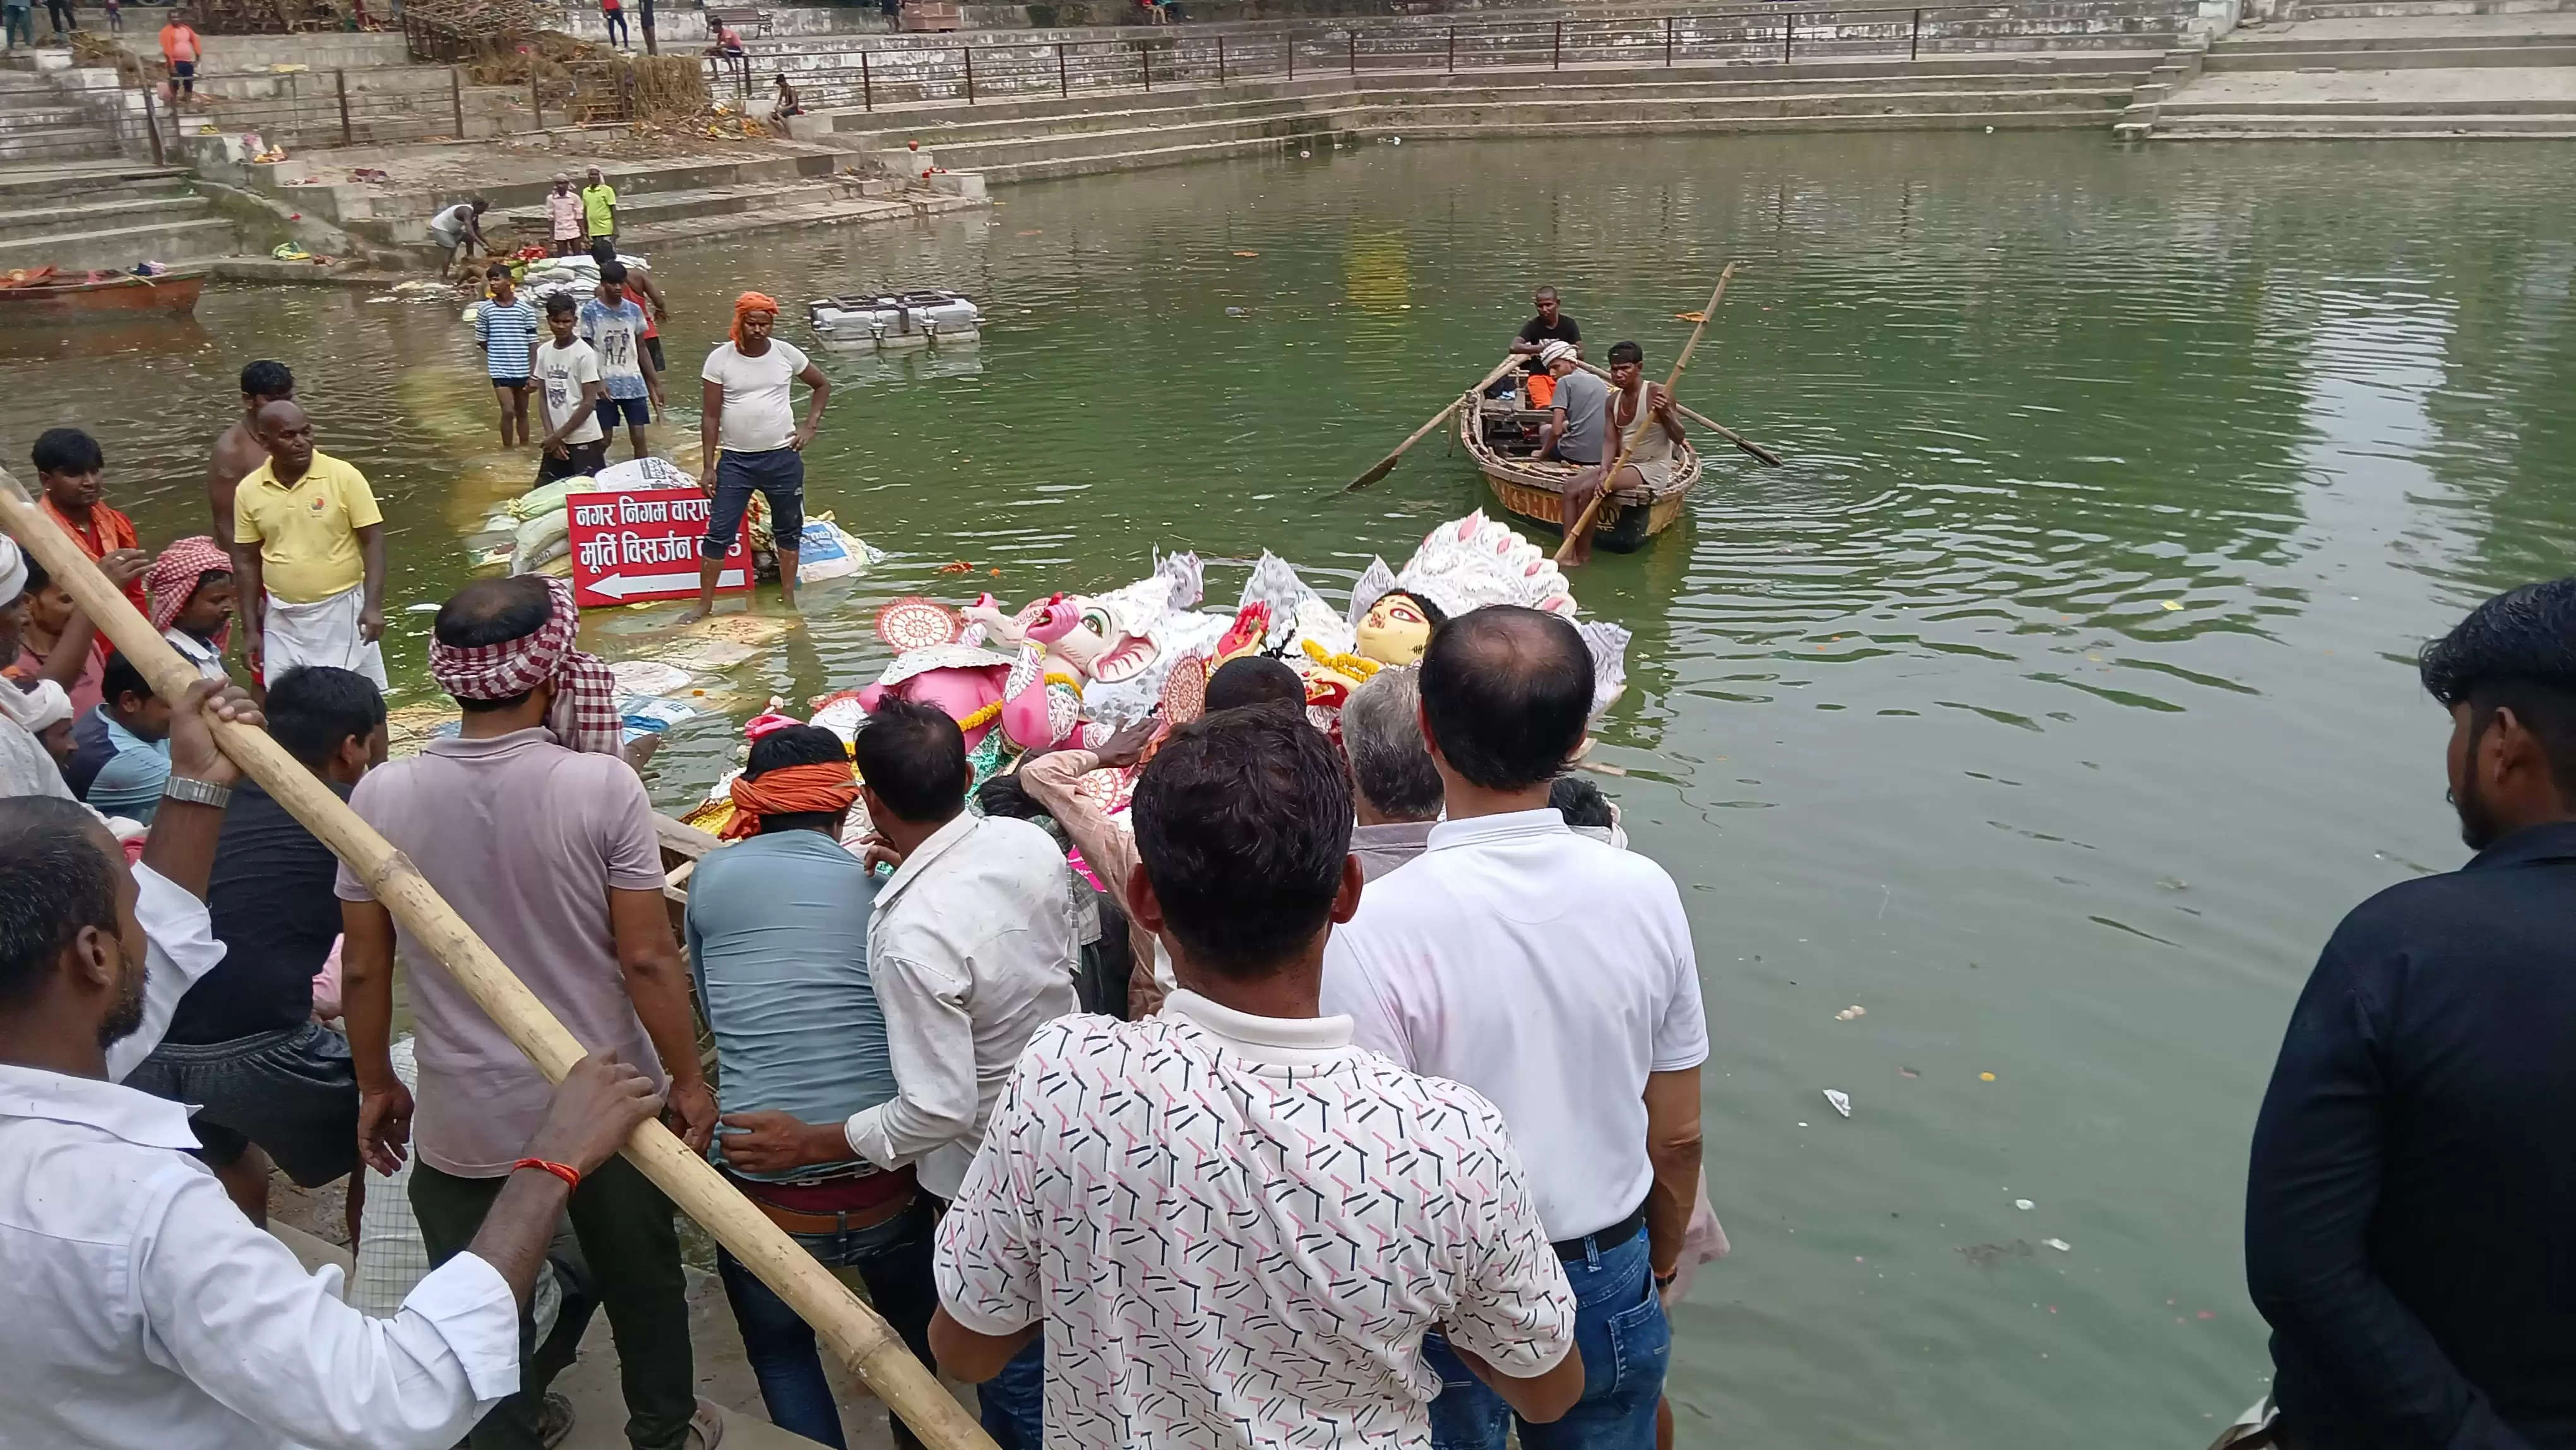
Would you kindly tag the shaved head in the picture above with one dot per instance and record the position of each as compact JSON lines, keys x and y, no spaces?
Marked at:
{"x":288,"y":434}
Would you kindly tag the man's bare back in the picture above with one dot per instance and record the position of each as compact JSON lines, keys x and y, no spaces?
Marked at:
{"x":237,"y":452}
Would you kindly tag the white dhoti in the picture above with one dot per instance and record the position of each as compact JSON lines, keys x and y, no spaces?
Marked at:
{"x":324,"y":632}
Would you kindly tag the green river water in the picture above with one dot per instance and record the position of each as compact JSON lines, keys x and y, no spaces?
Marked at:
{"x":2051,"y":704}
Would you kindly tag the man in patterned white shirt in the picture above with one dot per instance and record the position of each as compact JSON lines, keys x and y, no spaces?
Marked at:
{"x":1234,"y":1226}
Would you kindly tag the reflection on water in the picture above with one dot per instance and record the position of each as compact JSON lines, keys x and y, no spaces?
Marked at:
{"x":2051,"y":704}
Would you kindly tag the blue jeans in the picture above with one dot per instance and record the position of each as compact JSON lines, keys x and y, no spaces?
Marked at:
{"x":892,"y":1259}
{"x":1626,"y":1344}
{"x":1014,"y":1401}
{"x":779,"y":475}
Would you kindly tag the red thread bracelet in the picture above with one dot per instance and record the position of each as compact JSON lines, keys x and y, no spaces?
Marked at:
{"x":565,"y":1171}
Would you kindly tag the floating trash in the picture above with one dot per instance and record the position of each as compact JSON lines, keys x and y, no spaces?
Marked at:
{"x":2061,"y":1245}
{"x":1840,"y":1100}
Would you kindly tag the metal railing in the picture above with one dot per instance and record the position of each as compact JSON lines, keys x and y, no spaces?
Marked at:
{"x":1167,"y":57}
{"x":305,"y":110}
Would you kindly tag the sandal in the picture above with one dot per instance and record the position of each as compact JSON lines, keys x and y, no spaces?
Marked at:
{"x":706,"y":1427}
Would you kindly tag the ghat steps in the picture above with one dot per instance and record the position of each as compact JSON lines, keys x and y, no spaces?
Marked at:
{"x":2505,"y":69}
{"x":1025,"y":140}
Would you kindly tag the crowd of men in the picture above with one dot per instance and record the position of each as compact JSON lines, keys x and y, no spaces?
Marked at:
{"x":1391,"y":1136}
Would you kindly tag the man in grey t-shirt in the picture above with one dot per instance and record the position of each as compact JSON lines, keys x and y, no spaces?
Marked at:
{"x":1578,"y":423}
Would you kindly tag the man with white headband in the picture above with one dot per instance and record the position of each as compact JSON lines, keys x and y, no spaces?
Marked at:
{"x":530,"y":824}
{"x":1575,"y":427}
{"x":26,"y":767}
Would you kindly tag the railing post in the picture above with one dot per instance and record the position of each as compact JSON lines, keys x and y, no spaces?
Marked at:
{"x":969,"y":52}
{"x":152,"y":128}
{"x":1145,"y":53}
{"x":1292,"y":55}
{"x":340,"y":83}
{"x":1556,"y":55}
{"x":626,"y":93}
{"x":1220,"y":57}
{"x":1668,"y":42}
{"x":867,"y":89}
{"x":1353,"y":37}
{"x":456,"y":98}
{"x":1063,"y":79}
{"x":1914,"y":45}
{"x":1788,"y":34}
{"x":536,"y":98}
{"x":1453,"y":48}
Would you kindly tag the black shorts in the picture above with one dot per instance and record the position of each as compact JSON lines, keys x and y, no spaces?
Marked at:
{"x":513,"y":384}
{"x":581,"y":461}
{"x":653,"y":345}
{"x":293,"y":1092}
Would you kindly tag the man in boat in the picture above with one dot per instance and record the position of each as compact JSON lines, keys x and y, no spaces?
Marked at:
{"x":1551,"y":325}
{"x":2409,"y":1173}
{"x":1651,"y":462}
{"x":240,"y":448}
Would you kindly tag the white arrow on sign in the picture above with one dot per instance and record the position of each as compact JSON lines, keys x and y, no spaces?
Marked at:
{"x":619,"y":586}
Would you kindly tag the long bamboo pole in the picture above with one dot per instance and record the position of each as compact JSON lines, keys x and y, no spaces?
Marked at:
{"x":860,"y":1337}
{"x":1645,"y":419}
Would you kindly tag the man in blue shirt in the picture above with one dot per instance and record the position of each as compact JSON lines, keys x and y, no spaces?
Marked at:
{"x":613,"y":324}
{"x":137,"y":726}
{"x":2410,"y":1216}
{"x":778,"y":940}
{"x":507,"y":327}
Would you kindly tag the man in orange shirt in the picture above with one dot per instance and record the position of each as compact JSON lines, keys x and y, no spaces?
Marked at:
{"x":69,"y":466}
{"x":180,"y":47}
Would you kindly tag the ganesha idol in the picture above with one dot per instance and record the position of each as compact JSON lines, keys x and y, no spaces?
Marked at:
{"x":1079,"y":667}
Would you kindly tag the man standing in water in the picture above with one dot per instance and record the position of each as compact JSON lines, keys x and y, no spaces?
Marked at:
{"x":2410,"y":1213}
{"x":750,"y":440}
{"x":312,"y":556}
{"x":239,"y":449}
{"x":614,"y":327}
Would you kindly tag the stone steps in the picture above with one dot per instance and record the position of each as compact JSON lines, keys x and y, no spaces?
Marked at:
{"x":2230,"y":61}
{"x":88,"y":215}
{"x":119,"y":248}
{"x":97,"y":181}
{"x":655,"y":218}
{"x":2380,"y":9}
{"x":2296,"y":127}
{"x":1530,"y":117}
{"x":2485,"y":106}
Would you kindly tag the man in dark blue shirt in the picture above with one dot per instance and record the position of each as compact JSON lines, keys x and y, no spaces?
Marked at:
{"x":2410,"y":1224}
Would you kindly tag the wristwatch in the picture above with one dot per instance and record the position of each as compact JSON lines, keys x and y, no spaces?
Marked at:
{"x":197,"y":792}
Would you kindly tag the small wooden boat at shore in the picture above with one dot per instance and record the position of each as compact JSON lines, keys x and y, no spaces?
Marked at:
{"x":56,"y":298}
{"x":1502,"y":436}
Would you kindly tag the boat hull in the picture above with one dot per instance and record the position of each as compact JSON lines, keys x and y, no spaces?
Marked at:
{"x":117,"y":300}
{"x":1534,"y":491}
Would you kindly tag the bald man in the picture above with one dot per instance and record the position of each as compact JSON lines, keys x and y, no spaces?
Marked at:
{"x":312,"y":554}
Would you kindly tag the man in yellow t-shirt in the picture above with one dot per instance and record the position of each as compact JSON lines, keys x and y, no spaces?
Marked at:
{"x":598,"y":206}
{"x":312,"y":555}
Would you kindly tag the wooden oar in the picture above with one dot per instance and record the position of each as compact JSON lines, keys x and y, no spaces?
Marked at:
{"x":1711,"y":424}
{"x":1645,"y":419}
{"x":1386,"y":465}
{"x":852,"y":1329}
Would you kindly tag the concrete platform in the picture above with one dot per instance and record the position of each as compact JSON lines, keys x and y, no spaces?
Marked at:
{"x":2394,"y":69}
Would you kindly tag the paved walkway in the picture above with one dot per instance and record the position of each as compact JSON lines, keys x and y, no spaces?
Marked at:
{"x":2503,"y":87}
{"x":2431,"y":28}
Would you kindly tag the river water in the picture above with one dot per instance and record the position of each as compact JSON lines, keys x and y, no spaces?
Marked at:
{"x":2050,"y":705}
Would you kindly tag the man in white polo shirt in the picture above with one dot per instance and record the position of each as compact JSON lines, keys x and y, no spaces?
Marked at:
{"x":1236,"y":1227}
{"x":1553,"y":974}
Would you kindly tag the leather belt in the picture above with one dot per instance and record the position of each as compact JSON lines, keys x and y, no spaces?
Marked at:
{"x":898,"y":1198}
{"x":1603,"y":1240}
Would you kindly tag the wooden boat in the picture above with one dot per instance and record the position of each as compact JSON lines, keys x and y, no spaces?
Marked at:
{"x":1502,"y":437}
{"x":117,"y":296}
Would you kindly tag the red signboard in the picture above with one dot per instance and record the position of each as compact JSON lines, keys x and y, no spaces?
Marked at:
{"x":632,"y":544}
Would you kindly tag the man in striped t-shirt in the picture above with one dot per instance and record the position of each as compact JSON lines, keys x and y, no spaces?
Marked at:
{"x":507,"y":327}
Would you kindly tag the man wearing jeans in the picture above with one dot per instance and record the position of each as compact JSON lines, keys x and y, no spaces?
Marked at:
{"x":752,"y":442}
{"x":778,"y":941}
{"x":1553,"y":974}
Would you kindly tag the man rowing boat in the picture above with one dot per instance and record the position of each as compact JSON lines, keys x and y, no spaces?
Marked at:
{"x":1655,"y":454}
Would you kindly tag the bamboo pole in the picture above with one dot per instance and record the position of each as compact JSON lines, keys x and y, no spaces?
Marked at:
{"x":1386,"y":465}
{"x":851,"y":1328}
{"x":1645,"y":419}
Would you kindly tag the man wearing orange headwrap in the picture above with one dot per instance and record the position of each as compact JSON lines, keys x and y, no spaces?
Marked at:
{"x":752,"y":442}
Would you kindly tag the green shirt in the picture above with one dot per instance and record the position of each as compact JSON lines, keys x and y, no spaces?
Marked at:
{"x":598,"y":205}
